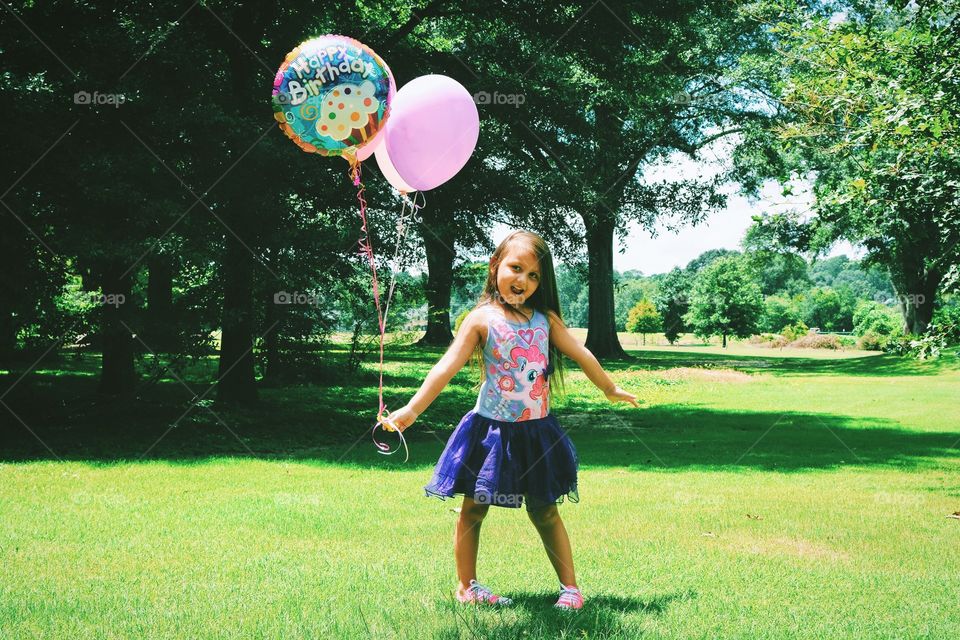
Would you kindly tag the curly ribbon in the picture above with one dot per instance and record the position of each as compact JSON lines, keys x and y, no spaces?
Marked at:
{"x":408,"y":212}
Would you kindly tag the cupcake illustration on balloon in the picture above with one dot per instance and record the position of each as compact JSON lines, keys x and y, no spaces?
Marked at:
{"x":347,"y":111}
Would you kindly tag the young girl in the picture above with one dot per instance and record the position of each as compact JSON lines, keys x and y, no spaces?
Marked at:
{"x":509,"y":448}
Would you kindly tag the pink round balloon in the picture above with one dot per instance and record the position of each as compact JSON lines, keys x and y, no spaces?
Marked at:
{"x":432,"y":130}
{"x":370,"y":146}
{"x":390,"y":172}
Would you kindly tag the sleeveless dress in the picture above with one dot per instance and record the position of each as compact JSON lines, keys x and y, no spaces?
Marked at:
{"x":509,"y":449}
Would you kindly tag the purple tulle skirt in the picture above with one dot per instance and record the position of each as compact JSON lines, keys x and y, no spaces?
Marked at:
{"x":505,"y":464}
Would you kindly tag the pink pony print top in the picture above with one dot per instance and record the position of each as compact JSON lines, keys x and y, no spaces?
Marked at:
{"x":516,"y":368}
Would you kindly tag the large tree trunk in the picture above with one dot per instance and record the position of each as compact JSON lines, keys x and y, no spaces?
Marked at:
{"x":236,"y":383}
{"x":916,"y":289}
{"x":8,"y":336}
{"x":117,"y":373}
{"x":440,"y":257}
{"x":601,"y":324}
{"x":161,"y":324}
{"x":272,"y":369}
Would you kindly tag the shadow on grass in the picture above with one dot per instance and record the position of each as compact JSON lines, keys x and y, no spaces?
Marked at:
{"x":54,"y":413}
{"x":770,"y":362}
{"x":62,"y":419}
{"x":602,"y":617}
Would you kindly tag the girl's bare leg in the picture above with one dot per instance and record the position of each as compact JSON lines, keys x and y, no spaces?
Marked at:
{"x":466,"y":541}
{"x":556,"y":542}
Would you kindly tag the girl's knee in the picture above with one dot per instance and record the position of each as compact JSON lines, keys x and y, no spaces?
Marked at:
{"x":546,"y":517}
{"x":473,"y":512}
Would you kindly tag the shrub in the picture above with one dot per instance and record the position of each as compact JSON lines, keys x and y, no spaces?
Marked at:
{"x":872,"y":317}
{"x":871,"y":341}
{"x":779,"y":342}
{"x":818,"y":341}
{"x":793,"y":332}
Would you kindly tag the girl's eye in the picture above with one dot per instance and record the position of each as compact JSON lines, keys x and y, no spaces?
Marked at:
{"x":534,"y":276}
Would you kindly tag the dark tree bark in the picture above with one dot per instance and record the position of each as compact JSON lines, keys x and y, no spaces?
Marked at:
{"x":272,"y":371}
{"x":236,"y":383}
{"x":161,"y":323}
{"x":117,"y":373}
{"x":916,"y":289}
{"x":8,"y":336}
{"x":601,"y":324}
{"x":440,"y":257}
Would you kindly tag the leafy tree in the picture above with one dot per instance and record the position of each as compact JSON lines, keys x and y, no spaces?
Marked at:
{"x":631,"y":84}
{"x":672,"y":302}
{"x":644,"y":318}
{"x":572,"y":288}
{"x":874,"y":317}
{"x":871,"y":110}
{"x":628,"y":292}
{"x":778,"y":312}
{"x":725,"y":300}
{"x":708,"y":257}
{"x":828,"y":309}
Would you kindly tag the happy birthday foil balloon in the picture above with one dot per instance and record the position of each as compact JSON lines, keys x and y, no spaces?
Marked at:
{"x":332,"y":96}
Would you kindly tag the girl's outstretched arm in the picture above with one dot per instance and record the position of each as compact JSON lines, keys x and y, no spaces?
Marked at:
{"x":568,"y":345}
{"x":457,"y":355}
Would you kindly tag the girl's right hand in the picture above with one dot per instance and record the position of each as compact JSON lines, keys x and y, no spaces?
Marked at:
{"x":404,"y":417}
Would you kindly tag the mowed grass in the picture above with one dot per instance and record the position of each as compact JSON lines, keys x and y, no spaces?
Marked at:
{"x":755,"y":494}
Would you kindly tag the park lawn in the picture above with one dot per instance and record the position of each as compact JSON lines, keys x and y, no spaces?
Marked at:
{"x":753,"y":495}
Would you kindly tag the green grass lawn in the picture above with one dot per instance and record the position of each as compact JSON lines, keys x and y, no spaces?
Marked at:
{"x":755,"y":494}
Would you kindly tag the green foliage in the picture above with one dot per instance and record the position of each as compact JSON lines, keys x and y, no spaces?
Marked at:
{"x":626,"y":296}
{"x":828,"y":309}
{"x":725,"y":300}
{"x":644,"y":318}
{"x":873,"y":317}
{"x":672,"y":302}
{"x":795,"y":331}
{"x":870,"y":109}
{"x":779,"y":311}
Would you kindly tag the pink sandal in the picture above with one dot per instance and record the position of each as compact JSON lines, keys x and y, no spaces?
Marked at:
{"x":477,"y":593}
{"x":570,"y":598}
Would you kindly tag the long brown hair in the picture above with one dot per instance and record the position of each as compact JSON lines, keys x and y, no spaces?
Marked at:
{"x":544,"y":299}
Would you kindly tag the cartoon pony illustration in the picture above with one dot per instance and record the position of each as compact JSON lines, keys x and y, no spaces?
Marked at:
{"x":527,"y":384}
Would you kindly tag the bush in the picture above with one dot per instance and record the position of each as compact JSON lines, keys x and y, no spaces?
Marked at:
{"x":818,"y":341}
{"x":792,"y":332}
{"x":872,"y":317}
{"x":871,"y":341}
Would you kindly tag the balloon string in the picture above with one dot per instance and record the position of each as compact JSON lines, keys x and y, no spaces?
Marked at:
{"x":384,"y":420}
{"x":366,"y":247}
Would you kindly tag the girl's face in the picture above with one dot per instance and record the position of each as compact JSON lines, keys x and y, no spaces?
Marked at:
{"x":518,"y":274}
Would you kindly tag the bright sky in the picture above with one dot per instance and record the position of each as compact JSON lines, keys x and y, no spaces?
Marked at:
{"x":722,"y":230}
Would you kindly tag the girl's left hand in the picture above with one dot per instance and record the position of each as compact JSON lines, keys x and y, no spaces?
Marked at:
{"x":619,"y":395}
